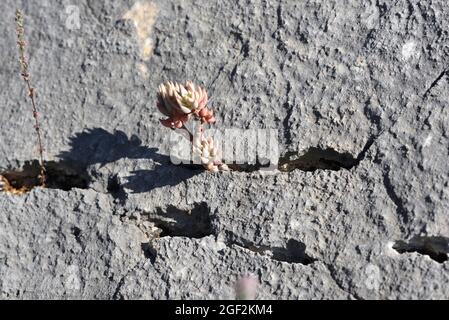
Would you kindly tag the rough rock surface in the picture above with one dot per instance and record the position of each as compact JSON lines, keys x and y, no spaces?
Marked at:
{"x":357,"y":91}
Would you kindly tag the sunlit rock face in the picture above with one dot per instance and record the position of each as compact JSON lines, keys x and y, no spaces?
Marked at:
{"x":356,"y":92}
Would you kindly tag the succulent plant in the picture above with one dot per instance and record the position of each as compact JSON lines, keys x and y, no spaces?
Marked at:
{"x":207,"y":152}
{"x":182,"y":102}
{"x":179,"y":102}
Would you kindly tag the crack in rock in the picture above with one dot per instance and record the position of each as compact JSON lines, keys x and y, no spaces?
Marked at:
{"x":175,"y":222}
{"x":121,"y":282}
{"x":289,"y":112}
{"x":77,"y":233}
{"x":401,"y":211}
{"x":437,"y":248}
{"x":63,"y":175}
{"x":196,"y":223}
{"x":293,"y":252}
{"x":315,"y":159}
{"x":435,"y":82}
{"x":333,"y":275}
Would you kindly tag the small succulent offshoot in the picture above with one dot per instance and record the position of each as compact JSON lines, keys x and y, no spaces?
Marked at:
{"x":180,"y":103}
{"x":208,"y":153}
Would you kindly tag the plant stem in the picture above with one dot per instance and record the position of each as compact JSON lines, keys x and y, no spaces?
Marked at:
{"x":31,"y":92}
{"x":187,"y":130}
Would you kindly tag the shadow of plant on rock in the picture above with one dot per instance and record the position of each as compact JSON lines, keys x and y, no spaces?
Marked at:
{"x":147,"y":180}
{"x":98,"y":146}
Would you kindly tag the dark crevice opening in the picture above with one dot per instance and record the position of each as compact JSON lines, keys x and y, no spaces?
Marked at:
{"x":115,"y":189}
{"x":148,"y":251}
{"x":59,"y":175}
{"x":401,"y":210}
{"x":325,"y":159}
{"x":437,"y":248}
{"x":175,"y":222}
{"x":248,"y":167}
{"x":293,"y":252}
{"x":113,"y":186}
{"x":77,"y":234}
{"x":435,"y":82}
{"x":315,"y":159}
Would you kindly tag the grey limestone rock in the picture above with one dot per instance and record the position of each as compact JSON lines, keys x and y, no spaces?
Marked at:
{"x":356,"y":90}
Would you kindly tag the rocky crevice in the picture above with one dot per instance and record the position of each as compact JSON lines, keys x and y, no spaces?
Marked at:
{"x":59,"y":175}
{"x":196,"y":223}
{"x":293,"y":252}
{"x":401,"y":211}
{"x":437,"y":247}
{"x":175,"y":222}
{"x":333,"y":275}
{"x":435,"y":83}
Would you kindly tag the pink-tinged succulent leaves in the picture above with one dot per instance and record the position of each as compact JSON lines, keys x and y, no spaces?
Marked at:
{"x":178,"y":102}
{"x":208,"y":153}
